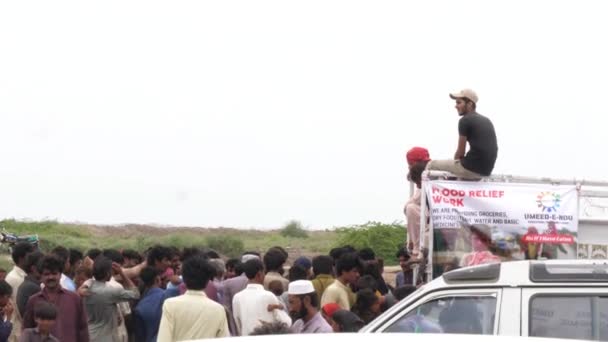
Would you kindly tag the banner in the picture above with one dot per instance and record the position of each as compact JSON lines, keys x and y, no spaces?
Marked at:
{"x":478,"y":222}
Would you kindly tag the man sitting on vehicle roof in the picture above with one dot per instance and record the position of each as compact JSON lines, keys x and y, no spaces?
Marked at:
{"x":478,"y":131}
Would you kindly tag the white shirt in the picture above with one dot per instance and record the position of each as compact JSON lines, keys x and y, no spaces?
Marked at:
{"x":250,"y":309}
{"x":192,"y":316}
{"x":67,"y":283}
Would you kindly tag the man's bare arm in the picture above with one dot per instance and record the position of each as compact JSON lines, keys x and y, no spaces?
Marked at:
{"x":134,"y":271}
{"x":462,"y":145}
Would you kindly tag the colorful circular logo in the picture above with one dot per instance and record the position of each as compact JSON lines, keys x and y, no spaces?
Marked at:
{"x":548,"y":201}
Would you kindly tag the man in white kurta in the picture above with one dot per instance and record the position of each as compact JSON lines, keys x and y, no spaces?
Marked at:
{"x":254,"y":306}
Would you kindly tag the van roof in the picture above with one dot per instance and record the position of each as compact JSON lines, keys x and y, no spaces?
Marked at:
{"x":529,"y":273}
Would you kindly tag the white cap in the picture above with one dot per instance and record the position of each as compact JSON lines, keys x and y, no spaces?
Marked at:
{"x":248,"y":257}
{"x":300,"y":287}
{"x":465,"y":94}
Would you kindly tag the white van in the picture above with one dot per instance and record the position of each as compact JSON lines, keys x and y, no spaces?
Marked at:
{"x":556,"y":298}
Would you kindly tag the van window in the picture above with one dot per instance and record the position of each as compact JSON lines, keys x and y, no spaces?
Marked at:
{"x":453,"y":315}
{"x":574,"y":317}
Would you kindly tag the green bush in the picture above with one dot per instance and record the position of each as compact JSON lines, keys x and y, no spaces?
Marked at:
{"x":294,"y":229}
{"x":227,"y":245}
{"x":384,"y":239}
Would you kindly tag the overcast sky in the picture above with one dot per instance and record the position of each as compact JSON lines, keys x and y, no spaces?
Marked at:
{"x":251,"y":113}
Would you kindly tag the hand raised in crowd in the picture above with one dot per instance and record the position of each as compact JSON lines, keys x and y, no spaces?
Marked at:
{"x":8,"y":310}
{"x":117,"y":269}
{"x":88,"y":262}
{"x":83,"y":291}
{"x":128,"y":283}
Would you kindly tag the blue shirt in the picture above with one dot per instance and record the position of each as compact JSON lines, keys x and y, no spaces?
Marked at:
{"x":147,"y":315}
{"x":402,"y":279}
{"x":6,"y":327}
{"x":67,"y":283}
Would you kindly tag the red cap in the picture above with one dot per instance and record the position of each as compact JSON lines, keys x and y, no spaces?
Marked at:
{"x":417,"y":154}
{"x":330,"y":308}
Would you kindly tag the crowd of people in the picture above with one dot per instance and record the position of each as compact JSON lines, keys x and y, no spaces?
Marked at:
{"x":168,"y":294}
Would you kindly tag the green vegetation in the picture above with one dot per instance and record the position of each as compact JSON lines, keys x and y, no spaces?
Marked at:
{"x":294,"y":229}
{"x":227,"y":245}
{"x":229,"y":242}
{"x":384,"y":239}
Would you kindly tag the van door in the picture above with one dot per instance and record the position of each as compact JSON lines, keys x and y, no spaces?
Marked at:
{"x":451,"y":311}
{"x":509,"y":320}
{"x":572,"y":313}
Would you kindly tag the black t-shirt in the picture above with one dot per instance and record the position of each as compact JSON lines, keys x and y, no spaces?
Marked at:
{"x":483,"y":147}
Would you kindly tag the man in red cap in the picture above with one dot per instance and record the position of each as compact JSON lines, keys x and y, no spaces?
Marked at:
{"x":478,"y":131}
{"x":417,"y":154}
{"x":417,"y":159}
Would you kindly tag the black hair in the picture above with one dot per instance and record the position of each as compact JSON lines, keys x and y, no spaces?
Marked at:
{"x":367,"y":282}
{"x":20,"y":251}
{"x":347,"y":262}
{"x":348,"y":321}
{"x":196,"y":272}
{"x":31,"y":260}
{"x":231,"y":263}
{"x":282,"y":250}
{"x":297,"y":272}
{"x":314,"y":299}
{"x":211,"y":254}
{"x":62,"y":253}
{"x":189,"y":252}
{"x":93,"y":253}
{"x":416,"y":172}
{"x":372,"y":269}
{"x":102,"y":268}
{"x":5,"y":288}
{"x":336,"y":253}
{"x":367,"y":254}
{"x":238,"y":268}
{"x":132,"y":255}
{"x":45,"y":310}
{"x":322,"y":264}
{"x":252,"y":267}
{"x":274,"y":259}
{"x":158,"y":253}
{"x":365,"y":299}
{"x":50,"y":262}
{"x":349,"y":249}
{"x":75,"y":256}
{"x":402,"y":252}
{"x":114,"y":255}
{"x":175,"y":252}
{"x":273,"y":328}
{"x":403,"y":291}
{"x":148,"y":276}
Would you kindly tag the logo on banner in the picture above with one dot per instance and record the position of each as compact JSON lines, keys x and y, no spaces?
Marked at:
{"x":548,"y":201}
